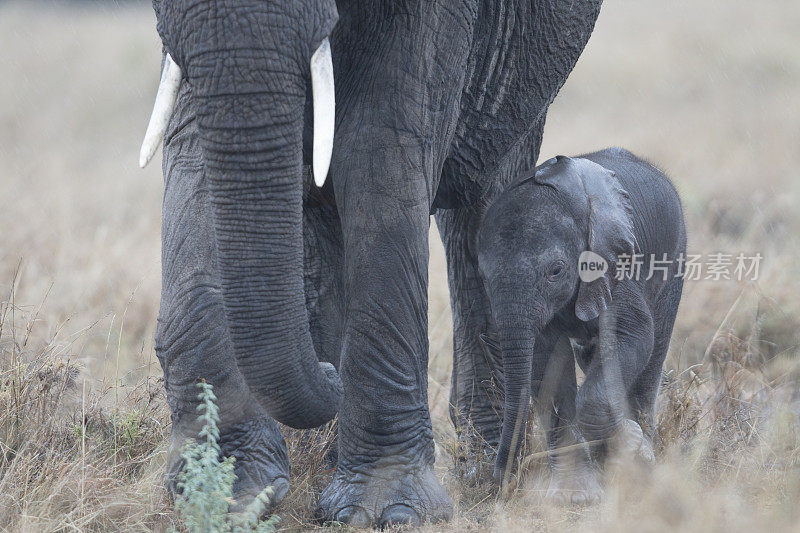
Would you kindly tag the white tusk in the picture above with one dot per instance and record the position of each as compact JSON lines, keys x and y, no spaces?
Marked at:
{"x":165,"y":102}
{"x":324,"y":110}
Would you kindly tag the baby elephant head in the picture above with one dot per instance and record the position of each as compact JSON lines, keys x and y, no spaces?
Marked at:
{"x":529,"y":247}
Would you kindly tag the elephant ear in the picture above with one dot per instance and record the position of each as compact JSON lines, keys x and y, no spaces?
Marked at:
{"x":600,"y":201}
{"x":611,"y":234}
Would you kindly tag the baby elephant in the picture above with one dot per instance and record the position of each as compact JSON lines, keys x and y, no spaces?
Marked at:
{"x":554,"y":250}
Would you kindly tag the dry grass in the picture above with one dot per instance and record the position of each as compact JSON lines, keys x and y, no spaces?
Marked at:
{"x":708,"y":89}
{"x":72,"y":457}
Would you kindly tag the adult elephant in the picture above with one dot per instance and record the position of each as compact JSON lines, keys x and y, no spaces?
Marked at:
{"x":264,"y":276}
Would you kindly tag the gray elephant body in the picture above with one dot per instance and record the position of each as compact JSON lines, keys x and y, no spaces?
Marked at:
{"x":618,"y":207}
{"x":264,"y":276}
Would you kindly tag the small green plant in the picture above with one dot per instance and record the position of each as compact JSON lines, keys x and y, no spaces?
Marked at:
{"x":205,"y":482}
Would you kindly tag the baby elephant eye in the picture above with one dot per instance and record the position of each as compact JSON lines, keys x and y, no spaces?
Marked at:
{"x":556,"y":270}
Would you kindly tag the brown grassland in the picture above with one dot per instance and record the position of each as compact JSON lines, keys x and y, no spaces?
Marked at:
{"x":705,"y":88}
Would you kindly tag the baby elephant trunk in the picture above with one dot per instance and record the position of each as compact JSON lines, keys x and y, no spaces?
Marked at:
{"x":517,"y":332}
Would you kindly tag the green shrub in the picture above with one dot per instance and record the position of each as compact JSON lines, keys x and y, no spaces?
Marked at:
{"x":205,"y":482}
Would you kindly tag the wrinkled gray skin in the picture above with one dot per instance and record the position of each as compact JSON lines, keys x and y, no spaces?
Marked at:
{"x":438,"y":103}
{"x":610,"y":203}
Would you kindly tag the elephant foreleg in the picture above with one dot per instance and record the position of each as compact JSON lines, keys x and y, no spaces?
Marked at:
{"x":643,"y":393}
{"x":626,"y":338}
{"x":573,"y":479}
{"x":476,"y":391}
{"x":385,"y":465}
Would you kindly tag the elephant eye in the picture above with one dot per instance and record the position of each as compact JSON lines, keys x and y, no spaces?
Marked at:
{"x":556,"y":270}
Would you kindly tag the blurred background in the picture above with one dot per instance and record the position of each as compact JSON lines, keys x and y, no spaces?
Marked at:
{"x":708,"y":90}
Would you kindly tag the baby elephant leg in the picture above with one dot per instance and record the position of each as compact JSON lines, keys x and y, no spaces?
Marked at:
{"x":573,"y":479}
{"x":642,"y":396}
{"x":604,"y":414}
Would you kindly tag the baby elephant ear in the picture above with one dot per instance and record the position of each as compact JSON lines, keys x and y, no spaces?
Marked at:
{"x":593,"y":297}
{"x":611,"y":234}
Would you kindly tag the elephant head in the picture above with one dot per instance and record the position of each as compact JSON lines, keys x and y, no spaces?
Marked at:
{"x":529,"y":245}
{"x":248,"y":64}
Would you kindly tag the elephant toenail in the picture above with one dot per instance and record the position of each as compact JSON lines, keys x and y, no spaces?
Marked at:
{"x":399,"y":515}
{"x":354,"y":516}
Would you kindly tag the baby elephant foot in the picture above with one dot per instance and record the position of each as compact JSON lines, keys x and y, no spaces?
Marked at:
{"x":576,"y":486}
{"x":647,"y":453}
{"x":385,"y":495}
{"x":565,"y":490}
{"x":261,"y":461}
{"x":630,"y":443}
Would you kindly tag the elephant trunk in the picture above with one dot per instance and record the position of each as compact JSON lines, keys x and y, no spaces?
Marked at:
{"x":517,"y":331}
{"x":250,"y":85}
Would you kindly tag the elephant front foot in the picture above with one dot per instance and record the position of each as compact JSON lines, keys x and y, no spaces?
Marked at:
{"x":630,"y":444}
{"x":261,"y":461}
{"x":578,"y":487}
{"x":385,"y":495}
{"x":646,"y":453}
{"x":574,"y":478}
